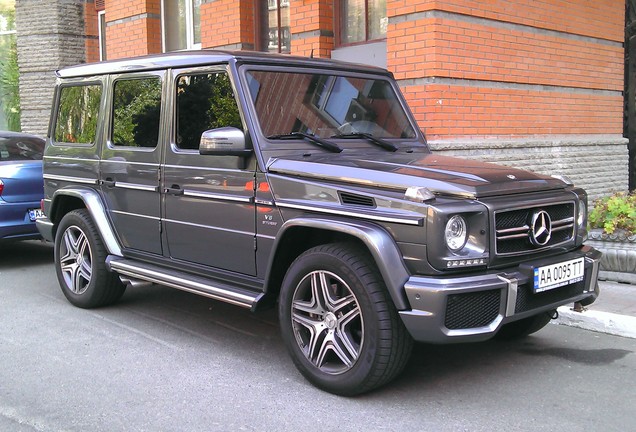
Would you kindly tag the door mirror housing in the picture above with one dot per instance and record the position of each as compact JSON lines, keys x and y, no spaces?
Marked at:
{"x":225,"y":141}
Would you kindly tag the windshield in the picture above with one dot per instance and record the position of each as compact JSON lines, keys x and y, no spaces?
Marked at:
{"x":326,"y":105}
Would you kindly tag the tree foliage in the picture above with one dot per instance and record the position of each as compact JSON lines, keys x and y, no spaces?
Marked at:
{"x":9,"y":75}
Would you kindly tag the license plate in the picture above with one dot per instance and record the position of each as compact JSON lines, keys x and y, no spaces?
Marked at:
{"x":559,"y":274}
{"x":36,"y":214}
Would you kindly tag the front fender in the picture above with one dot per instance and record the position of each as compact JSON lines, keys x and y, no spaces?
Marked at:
{"x":93,"y":203}
{"x":378,"y":242}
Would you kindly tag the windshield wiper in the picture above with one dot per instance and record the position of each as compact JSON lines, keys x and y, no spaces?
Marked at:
{"x":377,"y":141}
{"x":310,"y":138}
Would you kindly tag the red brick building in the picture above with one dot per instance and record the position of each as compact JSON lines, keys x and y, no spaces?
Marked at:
{"x":537,"y":84}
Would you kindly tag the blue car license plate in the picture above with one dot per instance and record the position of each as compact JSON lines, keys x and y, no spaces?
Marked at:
{"x":35,"y":214}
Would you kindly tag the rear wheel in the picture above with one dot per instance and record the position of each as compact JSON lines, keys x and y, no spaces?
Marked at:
{"x":524,"y":327}
{"x":80,"y":263}
{"x":339,"y":323}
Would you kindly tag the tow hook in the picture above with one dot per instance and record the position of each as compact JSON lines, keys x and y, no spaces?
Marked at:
{"x":555,"y":314}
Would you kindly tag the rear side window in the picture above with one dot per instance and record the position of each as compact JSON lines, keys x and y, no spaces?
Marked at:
{"x":136,"y":112}
{"x":77,"y":114}
{"x":20,"y":149}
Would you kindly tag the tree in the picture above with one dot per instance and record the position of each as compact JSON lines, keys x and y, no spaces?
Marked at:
{"x":9,"y":75}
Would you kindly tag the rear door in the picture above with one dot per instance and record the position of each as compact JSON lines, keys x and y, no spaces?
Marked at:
{"x":130,"y":161}
{"x":209,"y":200}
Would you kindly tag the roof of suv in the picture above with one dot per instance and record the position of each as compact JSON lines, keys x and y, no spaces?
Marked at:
{"x":204,"y":57}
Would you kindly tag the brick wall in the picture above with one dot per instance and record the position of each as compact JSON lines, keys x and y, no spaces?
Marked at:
{"x":525,"y":83}
{"x":312,"y":27}
{"x":133,"y":27}
{"x":228,"y":24}
{"x":92,"y":32}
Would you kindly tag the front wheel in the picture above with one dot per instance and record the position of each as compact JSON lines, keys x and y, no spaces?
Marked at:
{"x":339,"y":323}
{"x":80,"y":263}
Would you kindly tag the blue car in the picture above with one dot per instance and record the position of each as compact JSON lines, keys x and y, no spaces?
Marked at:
{"x":21,"y":185}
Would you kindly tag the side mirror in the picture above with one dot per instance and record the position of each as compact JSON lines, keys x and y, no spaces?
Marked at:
{"x":226,"y":141}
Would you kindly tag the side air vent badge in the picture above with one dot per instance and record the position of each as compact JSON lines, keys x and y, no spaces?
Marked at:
{"x":357,"y":200}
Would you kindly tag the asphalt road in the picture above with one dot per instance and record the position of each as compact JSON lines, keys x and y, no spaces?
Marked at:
{"x":165,"y":360}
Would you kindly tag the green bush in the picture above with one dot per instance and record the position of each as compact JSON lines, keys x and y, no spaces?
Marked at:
{"x":615,"y":212}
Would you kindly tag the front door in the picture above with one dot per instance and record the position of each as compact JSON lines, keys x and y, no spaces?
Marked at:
{"x":130,"y":161}
{"x":209,"y":200}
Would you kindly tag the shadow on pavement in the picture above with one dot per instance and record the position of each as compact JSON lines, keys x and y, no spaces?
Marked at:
{"x":25,"y":253}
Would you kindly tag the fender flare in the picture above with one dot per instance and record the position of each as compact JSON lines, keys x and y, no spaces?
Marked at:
{"x":93,"y":202}
{"x":380,"y":244}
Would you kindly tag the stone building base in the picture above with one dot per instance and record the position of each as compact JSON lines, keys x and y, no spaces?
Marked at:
{"x":597,"y":163}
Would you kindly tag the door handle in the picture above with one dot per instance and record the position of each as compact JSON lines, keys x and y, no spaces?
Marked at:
{"x":109,"y":182}
{"x":174,"y":190}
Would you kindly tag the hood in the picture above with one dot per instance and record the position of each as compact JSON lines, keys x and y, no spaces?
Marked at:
{"x":443,"y":175}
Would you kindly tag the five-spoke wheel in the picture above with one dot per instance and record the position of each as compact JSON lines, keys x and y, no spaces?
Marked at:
{"x":80,"y":263}
{"x":327,"y":322}
{"x":75,"y":260}
{"x":338,"y":321}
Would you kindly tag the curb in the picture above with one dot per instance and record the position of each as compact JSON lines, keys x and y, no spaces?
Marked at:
{"x":602,"y":322}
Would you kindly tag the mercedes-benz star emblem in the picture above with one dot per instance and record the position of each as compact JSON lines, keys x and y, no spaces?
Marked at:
{"x":540,"y":228}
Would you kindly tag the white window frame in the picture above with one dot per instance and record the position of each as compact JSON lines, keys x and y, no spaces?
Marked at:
{"x":189,"y":18}
{"x":101,"y":36}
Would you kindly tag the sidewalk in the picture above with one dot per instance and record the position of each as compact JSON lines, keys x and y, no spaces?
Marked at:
{"x":614,"y":312}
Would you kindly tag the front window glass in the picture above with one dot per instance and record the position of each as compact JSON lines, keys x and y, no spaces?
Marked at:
{"x":136,"y":112}
{"x":326,"y":105}
{"x":76,"y":120}
{"x":362,"y":20}
{"x":274,"y":23}
{"x":204,"y":102}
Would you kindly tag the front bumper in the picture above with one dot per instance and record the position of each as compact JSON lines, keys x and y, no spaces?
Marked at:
{"x":473,"y":308}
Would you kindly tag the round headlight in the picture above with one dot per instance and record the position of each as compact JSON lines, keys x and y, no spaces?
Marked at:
{"x":455,"y":233}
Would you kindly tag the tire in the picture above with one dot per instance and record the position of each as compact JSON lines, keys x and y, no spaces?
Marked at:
{"x":524,"y":327}
{"x":338,"y":321}
{"x":80,"y":263}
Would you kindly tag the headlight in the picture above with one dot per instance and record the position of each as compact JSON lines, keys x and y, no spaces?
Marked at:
{"x":582,"y":214}
{"x":456,"y":233}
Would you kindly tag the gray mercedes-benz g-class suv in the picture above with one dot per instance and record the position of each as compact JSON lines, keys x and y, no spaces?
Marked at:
{"x":255,"y":179}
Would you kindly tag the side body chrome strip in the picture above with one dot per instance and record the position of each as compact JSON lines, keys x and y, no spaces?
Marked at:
{"x":416,"y":221}
{"x":174,"y":280}
{"x":81,"y":180}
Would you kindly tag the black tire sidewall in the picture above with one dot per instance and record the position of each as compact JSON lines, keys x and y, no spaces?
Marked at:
{"x":354,"y":380}
{"x":94,"y":295}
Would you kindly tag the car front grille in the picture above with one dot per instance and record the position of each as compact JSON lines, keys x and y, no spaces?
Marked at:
{"x":471,"y":310}
{"x":513,"y":228}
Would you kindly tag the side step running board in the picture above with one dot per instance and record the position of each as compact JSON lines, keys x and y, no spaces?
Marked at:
{"x":184,"y":281}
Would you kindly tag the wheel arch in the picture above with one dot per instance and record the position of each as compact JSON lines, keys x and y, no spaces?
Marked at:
{"x":68,"y":199}
{"x":299,"y":235}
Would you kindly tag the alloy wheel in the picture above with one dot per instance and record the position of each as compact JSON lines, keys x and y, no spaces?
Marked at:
{"x":76,"y":260}
{"x":327,"y":322}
